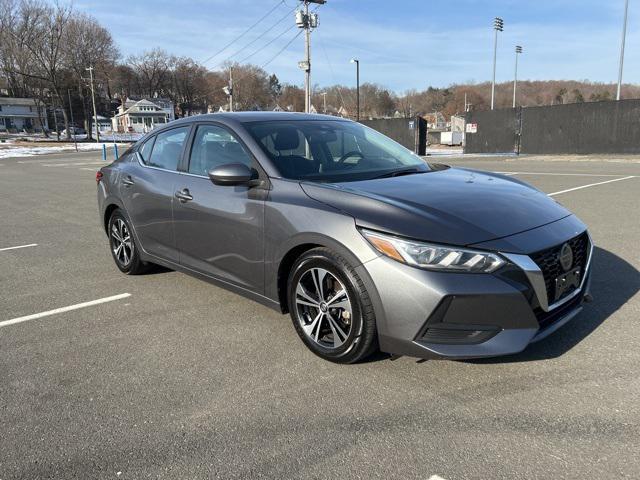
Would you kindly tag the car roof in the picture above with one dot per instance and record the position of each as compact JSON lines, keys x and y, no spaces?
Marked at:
{"x":241,"y":117}
{"x":246,"y":117}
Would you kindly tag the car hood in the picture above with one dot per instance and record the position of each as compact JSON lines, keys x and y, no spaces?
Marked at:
{"x":452,"y":206}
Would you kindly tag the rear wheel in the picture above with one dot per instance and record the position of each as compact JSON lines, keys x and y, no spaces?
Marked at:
{"x":330,"y":307}
{"x":123,"y":246}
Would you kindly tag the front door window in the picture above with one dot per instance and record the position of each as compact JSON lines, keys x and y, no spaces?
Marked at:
{"x":214,"y":146}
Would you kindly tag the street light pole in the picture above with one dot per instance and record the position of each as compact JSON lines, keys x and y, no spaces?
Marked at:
{"x":498,"y":26}
{"x":93,"y":100}
{"x":515,"y":78}
{"x":357,"y":62}
{"x":624,"y":37}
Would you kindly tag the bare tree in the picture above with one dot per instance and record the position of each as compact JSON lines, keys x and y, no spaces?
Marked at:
{"x":251,"y":87}
{"x":40,"y":30}
{"x":215,"y":82}
{"x":152,"y":70}
{"x":87,"y":44}
{"x":189,"y":84}
{"x":292,"y":98}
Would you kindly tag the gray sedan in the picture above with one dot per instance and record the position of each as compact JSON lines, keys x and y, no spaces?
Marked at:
{"x":364,"y":244}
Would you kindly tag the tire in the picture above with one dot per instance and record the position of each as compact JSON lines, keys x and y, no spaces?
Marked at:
{"x":338,"y":327}
{"x":124,"y":250}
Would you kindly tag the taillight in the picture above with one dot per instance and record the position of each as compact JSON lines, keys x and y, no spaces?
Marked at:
{"x":99,"y":176}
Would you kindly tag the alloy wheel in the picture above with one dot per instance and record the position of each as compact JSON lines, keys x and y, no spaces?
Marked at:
{"x":121,"y":242}
{"x":323,"y":308}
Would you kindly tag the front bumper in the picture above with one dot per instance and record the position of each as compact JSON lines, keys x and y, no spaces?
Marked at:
{"x":431,"y":314}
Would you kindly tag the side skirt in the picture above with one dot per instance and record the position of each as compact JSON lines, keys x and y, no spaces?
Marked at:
{"x":256,"y":297}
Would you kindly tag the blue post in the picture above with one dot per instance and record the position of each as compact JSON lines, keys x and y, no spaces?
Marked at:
{"x":115,"y":150}
{"x":104,"y":152}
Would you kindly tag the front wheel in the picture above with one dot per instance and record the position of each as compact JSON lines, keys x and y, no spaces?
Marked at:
{"x":330,"y":307}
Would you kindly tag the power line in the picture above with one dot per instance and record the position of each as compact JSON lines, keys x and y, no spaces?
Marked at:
{"x":267,"y":44}
{"x":244,"y":59}
{"x":333,"y":77}
{"x":282,"y":19}
{"x":281,"y":50}
{"x":281,"y":2}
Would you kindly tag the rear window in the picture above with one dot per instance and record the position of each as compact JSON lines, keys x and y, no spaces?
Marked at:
{"x":145,"y":150}
{"x":167,"y":149}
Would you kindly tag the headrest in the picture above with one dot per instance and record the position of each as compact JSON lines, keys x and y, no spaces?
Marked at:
{"x":323,"y":136}
{"x":286,"y":139}
{"x":171,"y":150}
{"x":213,"y":149}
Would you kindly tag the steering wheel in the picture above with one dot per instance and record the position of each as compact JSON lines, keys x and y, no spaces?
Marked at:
{"x":352,"y":153}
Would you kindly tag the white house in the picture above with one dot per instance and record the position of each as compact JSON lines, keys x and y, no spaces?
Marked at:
{"x":141,"y":116}
{"x":20,"y":114}
{"x":104,"y":124}
{"x":167,"y":107}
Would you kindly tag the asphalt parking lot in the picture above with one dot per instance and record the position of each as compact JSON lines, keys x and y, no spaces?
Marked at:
{"x":176,"y":378}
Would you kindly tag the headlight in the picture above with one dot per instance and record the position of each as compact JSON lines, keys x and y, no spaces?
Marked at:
{"x":434,"y":257}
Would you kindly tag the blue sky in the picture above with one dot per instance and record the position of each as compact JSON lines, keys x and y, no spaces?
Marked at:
{"x":401,"y":44}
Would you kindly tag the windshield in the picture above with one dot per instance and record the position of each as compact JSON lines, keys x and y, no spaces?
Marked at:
{"x":332,"y":151}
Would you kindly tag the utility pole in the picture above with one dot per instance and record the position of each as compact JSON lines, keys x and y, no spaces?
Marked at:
{"x":624,"y":37}
{"x":515,"y":78}
{"x":498,"y":26}
{"x":307,"y":21}
{"x":307,"y":49}
{"x":93,"y":100}
{"x":357,"y":62}
{"x":75,"y":140}
{"x":229,"y":89}
{"x":324,"y":102}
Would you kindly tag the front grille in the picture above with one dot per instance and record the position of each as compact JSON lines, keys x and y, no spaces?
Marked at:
{"x":546,"y":319}
{"x":549,"y":262}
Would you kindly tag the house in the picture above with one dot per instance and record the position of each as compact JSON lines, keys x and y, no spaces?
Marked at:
{"x":167,"y":107}
{"x":343,"y":112}
{"x":104,"y":124}
{"x":17,"y":114}
{"x":141,"y":116}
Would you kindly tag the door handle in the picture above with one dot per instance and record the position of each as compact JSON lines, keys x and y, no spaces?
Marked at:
{"x":183,"y":195}
{"x":127,"y":181}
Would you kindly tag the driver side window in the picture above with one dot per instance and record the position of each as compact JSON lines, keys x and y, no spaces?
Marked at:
{"x":342,"y":144}
{"x":214,"y":146}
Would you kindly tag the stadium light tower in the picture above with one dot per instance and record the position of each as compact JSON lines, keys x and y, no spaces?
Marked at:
{"x":498,"y":26}
{"x":624,"y":37}
{"x":515,"y":78}
{"x":308,"y":21}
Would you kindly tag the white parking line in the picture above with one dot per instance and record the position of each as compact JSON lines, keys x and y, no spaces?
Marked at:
{"x":557,"y":174}
{"x":77,"y":306}
{"x":44,"y":160}
{"x":19,"y":246}
{"x":73,"y":164}
{"x":590,"y":185}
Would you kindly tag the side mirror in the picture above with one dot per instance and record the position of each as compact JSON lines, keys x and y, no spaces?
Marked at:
{"x":232,"y":174}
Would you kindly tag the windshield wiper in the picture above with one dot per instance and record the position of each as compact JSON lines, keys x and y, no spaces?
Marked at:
{"x":398,"y":173}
